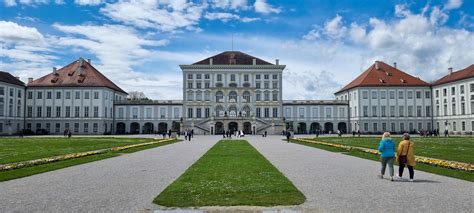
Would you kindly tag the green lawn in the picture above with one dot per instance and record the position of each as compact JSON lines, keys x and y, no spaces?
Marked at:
{"x":231,"y":173}
{"x":464,"y":175}
{"x":452,"y":148}
{"x":23,"y":149}
{"x":27,"y":171}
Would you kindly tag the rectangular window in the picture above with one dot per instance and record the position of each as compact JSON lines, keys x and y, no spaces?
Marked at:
{"x":207,"y":85}
{"x":95,"y":127}
{"x":48,"y":111}
{"x":39,"y":95}
{"x":58,"y":95}
{"x":38,"y":111}
{"x":445,"y":92}
{"x":267,"y":112}
{"x":365,"y":95}
{"x":30,"y":95}
{"x":190,"y":76}
{"x":266,"y":76}
{"x":76,"y":127}
{"x":77,"y":111}
{"x":453,"y":108}
{"x":68,"y":111}
{"x":375,"y":127}
{"x":383,"y":111}
{"x":374,"y":94}
{"x":463,"y":108}
{"x":29,"y":112}
{"x":86,"y":95}
{"x":471,"y":87}
{"x":366,"y":127}
{"x":207,"y":112}
{"x":57,"y":127}
{"x":96,"y":112}
{"x":2,"y":106}
{"x":58,"y":112}
{"x":68,"y":95}
{"x":453,"y":90}
{"x":206,"y":76}
{"x":463,"y":126}
{"x":383,"y":94}
{"x":86,"y":127}
{"x":246,"y":77}
{"x":374,"y":111}
{"x":454,"y":126}
{"x":418,"y":94}
{"x":392,"y":111}
{"x":401,"y":111}
{"x":266,"y":85}
{"x":77,"y":95}
{"x":190,"y":112}
{"x":148,"y":113}
{"x":275,"y":76}
{"x":258,"y":113}
{"x":96,"y":95}
{"x":49,"y":95}
{"x":365,"y":111}
{"x":190,"y":85}
{"x":275,"y":85}
{"x":257,"y":76}
{"x":198,"y":112}
{"x":275,"y":112}
{"x":437,"y":93}
{"x":134,"y":113}
{"x":2,"y":90}
{"x":198,"y":85}
{"x":410,"y":111}
{"x":162,"y":112}
{"x":232,"y":77}
{"x":418,"y":111}
{"x":392,"y":127}
{"x":410,"y":94}
{"x":257,"y":85}
{"x":198,"y":76}
{"x":86,"y":112}
{"x":400,"y":94}
{"x":428,"y":111}
{"x":392,"y":94}
{"x":219,"y":77}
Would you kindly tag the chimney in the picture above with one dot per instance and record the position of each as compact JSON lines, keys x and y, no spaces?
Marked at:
{"x":211,"y":61}
{"x":254,"y":61}
{"x":54,"y":70}
{"x":450,"y":70}
{"x":395,"y":65}
{"x":89,"y":61}
{"x":277,"y":61}
{"x":377,"y":67}
{"x":30,"y":80}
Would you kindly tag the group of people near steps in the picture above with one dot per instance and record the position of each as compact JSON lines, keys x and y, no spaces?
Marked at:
{"x":405,"y":155}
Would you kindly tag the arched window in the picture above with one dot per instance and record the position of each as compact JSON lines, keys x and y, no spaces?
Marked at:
{"x":207,"y":96}
{"x":258,"y":96}
{"x":246,"y":111}
{"x":190,"y":96}
{"x":232,"y":111}
{"x":266,"y":95}
{"x":275,"y":96}
{"x":219,"y":111}
{"x":219,"y":96}
{"x":198,"y":96}
{"x":232,"y":96}
{"x":246,"y":96}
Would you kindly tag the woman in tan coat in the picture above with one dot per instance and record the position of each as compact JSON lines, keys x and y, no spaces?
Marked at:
{"x":406,"y":148}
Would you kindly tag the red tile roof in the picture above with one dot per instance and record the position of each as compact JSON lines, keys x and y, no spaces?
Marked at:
{"x":385,"y":75}
{"x":76,"y":74}
{"x":467,"y":72}
{"x":9,"y":78}
{"x":232,"y":57}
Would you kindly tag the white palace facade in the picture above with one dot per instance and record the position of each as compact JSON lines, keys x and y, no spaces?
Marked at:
{"x":236,"y":91}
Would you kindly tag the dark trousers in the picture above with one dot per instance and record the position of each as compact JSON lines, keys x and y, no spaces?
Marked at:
{"x":410,"y":170}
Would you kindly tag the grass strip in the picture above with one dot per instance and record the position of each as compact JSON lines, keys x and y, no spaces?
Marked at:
{"x":28,"y":171}
{"x":463,"y":175}
{"x":231,"y":173}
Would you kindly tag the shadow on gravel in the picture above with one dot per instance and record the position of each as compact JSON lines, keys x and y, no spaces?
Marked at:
{"x":425,"y":181}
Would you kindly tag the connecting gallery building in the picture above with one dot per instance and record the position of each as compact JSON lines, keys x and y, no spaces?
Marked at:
{"x":236,"y":91}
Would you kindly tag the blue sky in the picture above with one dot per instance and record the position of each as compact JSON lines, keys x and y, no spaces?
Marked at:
{"x":325,"y":44}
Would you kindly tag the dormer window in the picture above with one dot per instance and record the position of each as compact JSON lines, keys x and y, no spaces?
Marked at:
{"x":381,"y":81}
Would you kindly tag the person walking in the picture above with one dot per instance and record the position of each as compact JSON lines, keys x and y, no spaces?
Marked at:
{"x":387,"y":154}
{"x":406,"y":156}
{"x":288,"y":135}
{"x":190,"y":135}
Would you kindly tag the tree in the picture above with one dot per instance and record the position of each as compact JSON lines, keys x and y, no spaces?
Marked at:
{"x":135,"y":95}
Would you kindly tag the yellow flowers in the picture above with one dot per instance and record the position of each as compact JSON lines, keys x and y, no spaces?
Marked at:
{"x":420,"y":159}
{"x":11,"y":166}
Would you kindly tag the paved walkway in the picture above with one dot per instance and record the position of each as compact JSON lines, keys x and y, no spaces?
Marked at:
{"x":127,"y":183}
{"x":337,"y":182}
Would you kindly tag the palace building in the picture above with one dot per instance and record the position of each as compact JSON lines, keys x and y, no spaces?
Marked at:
{"x":236,"y":91}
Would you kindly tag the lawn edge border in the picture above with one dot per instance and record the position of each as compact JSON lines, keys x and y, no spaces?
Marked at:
{"x":23,"y":164}
{"x":420,"y":159}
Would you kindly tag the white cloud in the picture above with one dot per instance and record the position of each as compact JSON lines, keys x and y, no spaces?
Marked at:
{"x":12,"y":32}
{"x":313,"y":34}
{"x":161,"y":15}
{"x":453,"y":4}
{"x":229,"y":4}
{"x":249,"y":19}
{"x":221,"y":16}
{"x":334,"y":28}
{"x":261,"y":6}
{"x":89,"y":2}
{"x":10,"y":3}
{"x":437,"y":16}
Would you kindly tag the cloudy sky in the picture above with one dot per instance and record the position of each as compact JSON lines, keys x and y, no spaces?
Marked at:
{"x":325,"y":44}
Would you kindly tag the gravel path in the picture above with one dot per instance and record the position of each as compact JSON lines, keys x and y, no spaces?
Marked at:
{"x":337,"y":182}
{"x":128,"y":183}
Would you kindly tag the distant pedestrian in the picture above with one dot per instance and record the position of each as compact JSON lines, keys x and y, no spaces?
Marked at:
{"x":65,"y":132}
{"x":69,"y":134}
{"x":185,"y":135}
{"x":358,"y":133}
{"x":288,"y":135}
{"x":446,"y":133}
{"x":190,"y":135}
{"x":353,"y":133}
{"x":339,"y":133}
{"x":169,"y":133}
{"x":406,"y":156}
{"x":223,"y":134}
{"x":317,"y":133}
{"x":387,"y":152}
{"x":265,"y":133}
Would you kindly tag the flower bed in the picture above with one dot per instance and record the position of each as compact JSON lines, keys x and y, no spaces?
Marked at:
{"x":420,"y":159}
{"x":11,"y":166}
